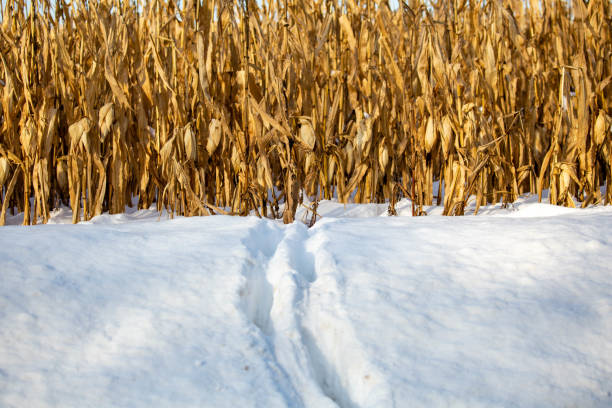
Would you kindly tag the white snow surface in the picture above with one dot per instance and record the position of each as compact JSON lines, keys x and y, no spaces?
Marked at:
{"x":510,"y":308}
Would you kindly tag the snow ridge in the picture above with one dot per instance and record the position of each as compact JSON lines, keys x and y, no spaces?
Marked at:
{"x":341,"y":364}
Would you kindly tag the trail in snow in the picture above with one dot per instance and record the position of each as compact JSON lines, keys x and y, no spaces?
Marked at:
{"x":291,"y":297}
{"x":288,"y":283}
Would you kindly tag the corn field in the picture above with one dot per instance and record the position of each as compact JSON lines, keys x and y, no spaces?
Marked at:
{"x":234,"y":107}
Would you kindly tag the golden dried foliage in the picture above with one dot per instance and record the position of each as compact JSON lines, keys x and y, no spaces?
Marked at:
{"x":216,"y":106}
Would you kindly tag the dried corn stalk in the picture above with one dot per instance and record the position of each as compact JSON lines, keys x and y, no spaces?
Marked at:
{"x":211,"y":110}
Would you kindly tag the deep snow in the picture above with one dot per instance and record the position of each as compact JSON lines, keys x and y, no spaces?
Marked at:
{"x":509,"y":308}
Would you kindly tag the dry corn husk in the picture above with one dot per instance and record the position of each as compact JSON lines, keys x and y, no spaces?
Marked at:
{"x":167,"y":152}
{"x":190,"y":143}
{"x":601,"y":128}
{"x":383,"y":156}
{"x":364,"y":137}
{"x":264,"y":173}
{"x":309,"y":162}
{"x":4,"y":170}
{"x":214,"y":136}
{"x":46,"y":137}
{"x":307,"y":134}
{"x":446,"y":136}
{"x":78,"y":132}
{"x":28,"y":138}
{"x":106,"y":117}
{"x":331,"y":171}
{"x":349,"y":154}
{"x":430,"y":135}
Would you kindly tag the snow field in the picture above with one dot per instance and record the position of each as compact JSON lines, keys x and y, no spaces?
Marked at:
{"x":513,"y":308}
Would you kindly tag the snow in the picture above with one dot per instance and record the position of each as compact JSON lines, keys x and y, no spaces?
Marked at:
{"x":510,"y":308}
